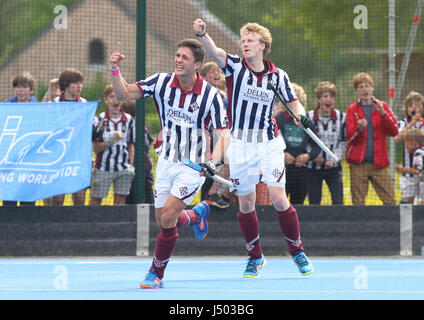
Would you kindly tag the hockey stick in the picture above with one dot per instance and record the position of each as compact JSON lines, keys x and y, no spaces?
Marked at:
{"x":199,"y":168}
{"x":307,"y":130}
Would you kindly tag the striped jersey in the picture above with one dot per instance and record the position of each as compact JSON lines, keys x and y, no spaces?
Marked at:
{"x":418,"y":160}
{"x":332,"y":131}
{"x":185,"y":116}
{"x":251,"y":99}
{"x":115,"y":158}
{"x":407,"y":157}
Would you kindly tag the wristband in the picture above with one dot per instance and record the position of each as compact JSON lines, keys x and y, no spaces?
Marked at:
{"x":114,"y":72}
{"x":200,"y":35}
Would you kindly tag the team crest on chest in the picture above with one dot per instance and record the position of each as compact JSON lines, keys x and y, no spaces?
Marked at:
{"x":193,"y":107}
{"x":273,"y":82}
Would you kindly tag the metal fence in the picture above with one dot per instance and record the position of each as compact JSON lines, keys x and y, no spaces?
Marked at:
{"x":313,"y":41}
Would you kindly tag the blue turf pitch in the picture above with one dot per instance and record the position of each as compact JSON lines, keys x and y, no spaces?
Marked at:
{"x":211,"y":279}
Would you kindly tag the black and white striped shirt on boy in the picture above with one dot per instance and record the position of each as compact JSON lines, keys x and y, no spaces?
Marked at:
{"x":418,"y":161}
{"x":332,"y":131}
{"x":115,"y":158}
{"x":407,"y":157}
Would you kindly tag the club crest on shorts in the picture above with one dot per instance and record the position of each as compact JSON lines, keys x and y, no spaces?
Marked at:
{"x":277,"y":173}
{"x":184,"y":191}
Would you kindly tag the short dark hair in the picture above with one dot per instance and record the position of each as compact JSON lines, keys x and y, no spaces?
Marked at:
{"x":69,"y":76}
{"x":108,"y":90}
{"x":24,"y":80}
{"x":195,"y":46}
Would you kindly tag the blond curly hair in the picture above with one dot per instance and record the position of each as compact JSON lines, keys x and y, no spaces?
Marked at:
{"x":264,"y":33}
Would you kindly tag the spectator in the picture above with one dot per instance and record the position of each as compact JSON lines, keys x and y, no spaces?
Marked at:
{"x":70,"y":84}
{"x":213,"y":74}
{"x":129,"y":107}
{"x":297,"y":153}
{"x":329,"y":124}
{"x":23,"y":85}
{"x":113,"y":142}
{"x":414,"y":105}
{"x":414,"y":143}
{"x":213,"y":192}
{"x":369,"y":121}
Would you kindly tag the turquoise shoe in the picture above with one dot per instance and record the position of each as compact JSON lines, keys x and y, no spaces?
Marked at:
{"x":253,"y":267}
{"x":303,"y":263}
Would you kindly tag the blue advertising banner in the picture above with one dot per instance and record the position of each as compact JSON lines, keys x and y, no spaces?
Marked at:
{"x":45,"y":149}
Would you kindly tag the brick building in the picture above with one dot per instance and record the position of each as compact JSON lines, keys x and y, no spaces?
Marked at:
{"x":94,"y":28}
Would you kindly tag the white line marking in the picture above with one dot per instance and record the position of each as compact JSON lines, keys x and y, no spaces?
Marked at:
{"x":165,"y":290}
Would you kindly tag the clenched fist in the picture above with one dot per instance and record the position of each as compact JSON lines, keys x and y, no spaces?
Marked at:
{"x":199,"y":27}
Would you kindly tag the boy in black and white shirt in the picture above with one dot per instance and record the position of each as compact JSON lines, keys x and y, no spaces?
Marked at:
{"x":113,"y":142}
{"x":414,"y":143}
{"x":329,"y":125}
{"x":414,"y":113}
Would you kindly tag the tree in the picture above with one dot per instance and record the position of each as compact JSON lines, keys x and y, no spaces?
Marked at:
{"x":330,"y":24}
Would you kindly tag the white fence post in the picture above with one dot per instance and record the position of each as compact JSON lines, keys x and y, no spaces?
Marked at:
{"x":143,"y":220}
{"x":406,"y":229}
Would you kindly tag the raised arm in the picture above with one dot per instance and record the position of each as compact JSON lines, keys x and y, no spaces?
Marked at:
{"x":217,"y":54}
{"x":123,"y":90}
{"x":53,"y":91}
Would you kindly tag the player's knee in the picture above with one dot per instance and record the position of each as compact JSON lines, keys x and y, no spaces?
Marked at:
{"x":168,"y":219}
{"x":279,"y":199}
{"x":167,"y":222}
{"x":281,"y":204}
{"x":247,"y":203}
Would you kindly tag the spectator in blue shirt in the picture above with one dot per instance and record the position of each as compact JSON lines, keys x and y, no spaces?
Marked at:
{"x":23,"y":85}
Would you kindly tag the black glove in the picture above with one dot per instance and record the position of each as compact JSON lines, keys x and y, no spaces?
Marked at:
{"x":304,"y":120}
{"x":209,"y":168}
